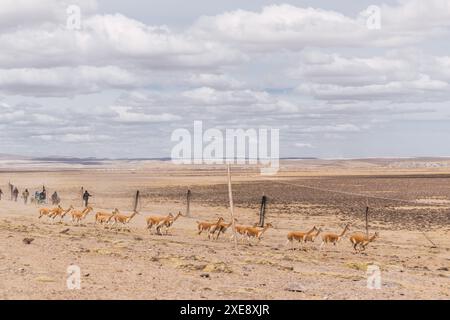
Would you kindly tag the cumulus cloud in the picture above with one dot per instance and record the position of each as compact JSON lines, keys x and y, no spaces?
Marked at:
{"x":127,"y":115}
{"x":111,"y":39}
{"x":20,"y":14}
{"x":396,"y":76}
{"x":315,"y":73}
{"x":66,"y":81}
{"x":303,"y":145}
{"x":290,"y":27}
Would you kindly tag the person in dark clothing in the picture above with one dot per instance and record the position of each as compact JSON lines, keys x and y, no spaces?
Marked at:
{"x":1,"y":193}
{"x":86,"y":197}
{"x":43,"y":195}
{"x":15,"y":194}
{"x":55,"y":199}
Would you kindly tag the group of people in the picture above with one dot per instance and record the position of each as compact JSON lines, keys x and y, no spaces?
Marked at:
{"x":15,"y":193}
{"x":41,"y":197}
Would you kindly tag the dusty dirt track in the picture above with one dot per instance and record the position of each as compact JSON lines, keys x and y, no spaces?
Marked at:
{"x":142,"y":265}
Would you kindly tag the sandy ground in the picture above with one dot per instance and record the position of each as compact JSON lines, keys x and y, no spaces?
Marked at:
{"x":137,"y":264}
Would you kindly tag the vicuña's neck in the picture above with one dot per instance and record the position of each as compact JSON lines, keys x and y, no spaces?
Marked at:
{"x":343,"y":231}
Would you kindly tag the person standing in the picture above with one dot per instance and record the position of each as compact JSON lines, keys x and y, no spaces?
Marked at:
{"x":15,"y":194}
{"x":1,"y":193}
{"x":55,"y":199}
{"x":26,"y":195}
{"x":86,"y":197}
{"x":44,"y":195}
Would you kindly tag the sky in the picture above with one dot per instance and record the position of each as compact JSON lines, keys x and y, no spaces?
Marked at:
{"x":135,"y":71}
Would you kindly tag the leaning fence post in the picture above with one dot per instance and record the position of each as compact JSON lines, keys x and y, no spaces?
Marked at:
{"x":136,"y":201}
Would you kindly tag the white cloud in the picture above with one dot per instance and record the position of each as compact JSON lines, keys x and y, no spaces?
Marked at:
{"x":396,"y":76}
{"x":346,"y":127}
{"x":127,"y":115}
{"x":290,"y":27}
{"x":312,"y":72}
{"x":16,"y":14}
{"x":111,"y":39}
{"x":303,"y":145}
{"x":65,"y":81}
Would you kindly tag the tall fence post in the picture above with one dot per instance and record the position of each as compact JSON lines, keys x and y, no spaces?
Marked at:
{"x":136,"y":201}
{"x":188,"y":203}
{"x":262,"y":211}
{"x":367,"y":218}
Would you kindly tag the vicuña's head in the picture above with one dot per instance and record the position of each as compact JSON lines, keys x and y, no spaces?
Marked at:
{"x":269,"y":225}
{"x":375,"y":235}
{"x":220,"y":219}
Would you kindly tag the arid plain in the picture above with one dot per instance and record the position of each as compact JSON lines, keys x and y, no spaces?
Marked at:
{"x":412,"y":251}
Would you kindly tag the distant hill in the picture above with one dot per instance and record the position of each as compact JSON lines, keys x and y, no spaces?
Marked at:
{"x":13,"y":157}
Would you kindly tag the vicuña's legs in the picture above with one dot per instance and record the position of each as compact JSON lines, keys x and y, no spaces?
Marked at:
{"x":321,"y":245}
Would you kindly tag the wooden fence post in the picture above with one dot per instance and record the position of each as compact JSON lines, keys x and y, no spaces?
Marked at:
{"x":136,"y":201}
{"x":367,"y":218}
{"x":188,"y":203}
{"x":262,"y":211}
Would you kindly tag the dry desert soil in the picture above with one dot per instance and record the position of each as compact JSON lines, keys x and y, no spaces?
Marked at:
{"x":412,"y":252}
